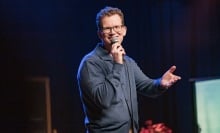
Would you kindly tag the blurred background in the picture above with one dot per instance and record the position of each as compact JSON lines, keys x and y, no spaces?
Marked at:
{"x":43,"y":38}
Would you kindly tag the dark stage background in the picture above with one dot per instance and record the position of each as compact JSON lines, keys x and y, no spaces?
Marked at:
{"x":49,"y":38}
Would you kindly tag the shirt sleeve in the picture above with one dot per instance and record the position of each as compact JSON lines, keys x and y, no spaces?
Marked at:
{"x":97,"y":86}
{"x":145,"y":85}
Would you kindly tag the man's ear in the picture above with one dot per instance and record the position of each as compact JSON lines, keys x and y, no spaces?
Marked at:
{"x":99,"y":34}
{"x":124,"y":31}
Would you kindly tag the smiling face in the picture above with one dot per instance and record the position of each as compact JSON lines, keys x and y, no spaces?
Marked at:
{"x":111,"y":27}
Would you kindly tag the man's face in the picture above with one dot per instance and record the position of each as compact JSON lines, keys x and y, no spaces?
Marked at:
{"x":112,"y":28}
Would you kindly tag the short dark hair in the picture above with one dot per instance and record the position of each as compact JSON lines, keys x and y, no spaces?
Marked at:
{"x":108,"y":11}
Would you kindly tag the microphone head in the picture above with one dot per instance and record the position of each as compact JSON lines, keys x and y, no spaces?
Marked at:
{"x":114,"y":40}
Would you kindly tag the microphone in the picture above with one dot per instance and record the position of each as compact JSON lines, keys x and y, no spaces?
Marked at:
{"x":114,"y":40}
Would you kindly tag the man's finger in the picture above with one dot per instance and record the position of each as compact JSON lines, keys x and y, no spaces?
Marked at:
{"x":172,"y":69}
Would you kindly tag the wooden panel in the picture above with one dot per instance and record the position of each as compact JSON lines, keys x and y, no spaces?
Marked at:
{"x":39,"y":112}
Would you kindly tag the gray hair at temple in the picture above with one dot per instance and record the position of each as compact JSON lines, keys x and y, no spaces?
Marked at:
{"x":108,"y":11}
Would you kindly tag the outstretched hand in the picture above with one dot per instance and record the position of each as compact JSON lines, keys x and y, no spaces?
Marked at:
{"x":168,"y":78}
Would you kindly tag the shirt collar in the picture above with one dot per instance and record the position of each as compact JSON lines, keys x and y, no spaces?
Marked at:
{"x":102,"y":53}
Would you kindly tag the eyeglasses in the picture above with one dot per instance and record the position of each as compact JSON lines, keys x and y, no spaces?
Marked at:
{"x":116,"y":28}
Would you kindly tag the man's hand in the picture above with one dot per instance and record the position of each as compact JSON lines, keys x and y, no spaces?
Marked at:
{"x":117,"y":53}
{"x":168,"y":79}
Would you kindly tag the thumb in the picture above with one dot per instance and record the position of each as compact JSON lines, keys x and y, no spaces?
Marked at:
{"x":172,"y":69}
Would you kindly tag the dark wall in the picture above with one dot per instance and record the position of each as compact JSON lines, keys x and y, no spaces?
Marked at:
{"x":49,"y":38}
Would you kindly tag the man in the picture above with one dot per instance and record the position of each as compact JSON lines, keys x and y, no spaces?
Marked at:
{"x":109,"y":80}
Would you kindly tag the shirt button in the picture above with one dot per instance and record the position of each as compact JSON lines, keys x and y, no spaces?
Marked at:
{"x":116,"y":84}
